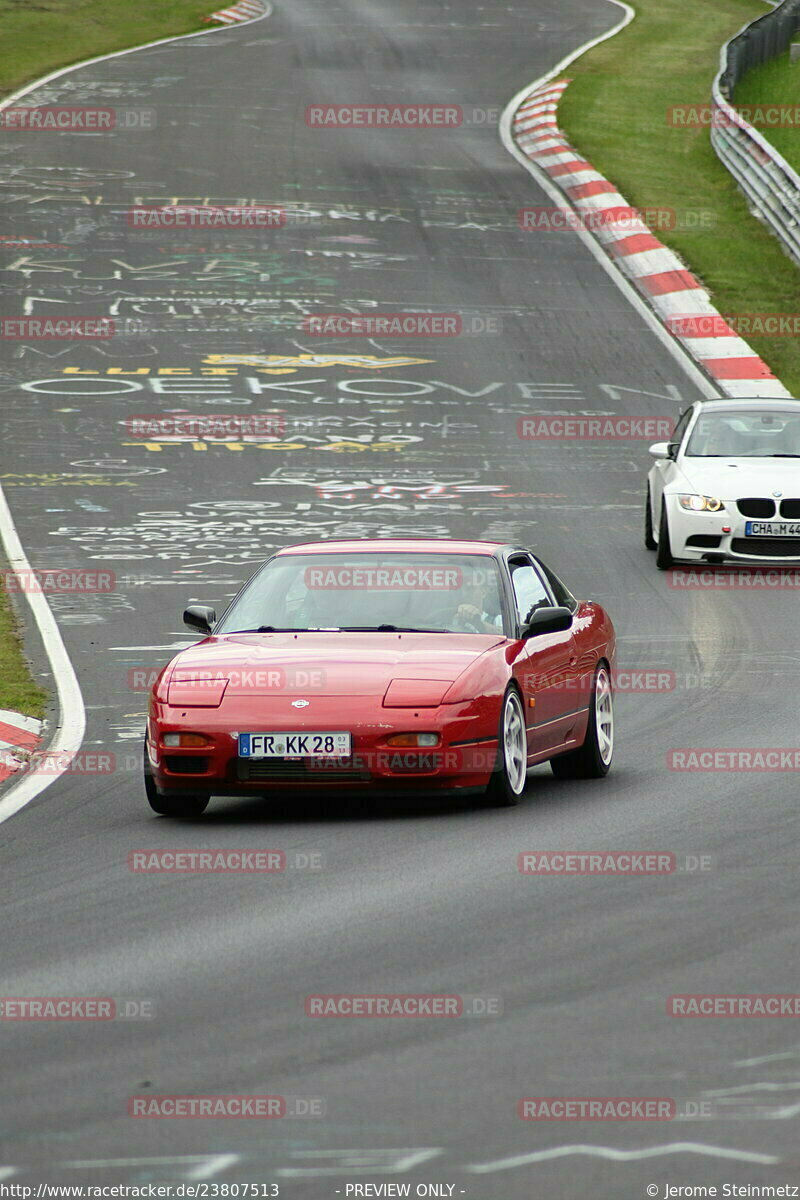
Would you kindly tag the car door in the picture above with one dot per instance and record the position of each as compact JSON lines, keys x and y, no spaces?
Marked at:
{"x":664,"y":470}
{"x":546,"y":668}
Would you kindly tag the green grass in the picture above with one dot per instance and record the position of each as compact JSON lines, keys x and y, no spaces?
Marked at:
{"x":18,"y":692}
{"x":38,"y":36}
{"x":776,"y":82}
{"x":615,"y":114}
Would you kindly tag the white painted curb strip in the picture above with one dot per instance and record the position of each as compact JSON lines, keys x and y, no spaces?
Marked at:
{"x":28,"y":724}
{"x":71,"y":727}
{"x":672,"y":301}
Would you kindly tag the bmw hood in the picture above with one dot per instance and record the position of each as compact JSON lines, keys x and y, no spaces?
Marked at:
{"x":730,"y":479}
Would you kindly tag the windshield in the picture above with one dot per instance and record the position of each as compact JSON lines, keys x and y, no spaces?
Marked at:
{"x":423,"y":593}
{"x":746,"y":434}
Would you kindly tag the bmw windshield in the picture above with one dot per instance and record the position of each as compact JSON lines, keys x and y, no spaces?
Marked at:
{"x":746,"y":434}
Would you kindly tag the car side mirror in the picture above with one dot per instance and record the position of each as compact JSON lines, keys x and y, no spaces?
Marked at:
{"x":660,"y":450}
{"x":200,"y":618}
{"x":547,"y":620}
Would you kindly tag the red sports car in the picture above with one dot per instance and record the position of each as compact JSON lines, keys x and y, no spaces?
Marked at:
{"x":407,"y":666}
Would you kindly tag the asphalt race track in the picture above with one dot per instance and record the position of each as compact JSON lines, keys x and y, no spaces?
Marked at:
{"x":383,"y":898}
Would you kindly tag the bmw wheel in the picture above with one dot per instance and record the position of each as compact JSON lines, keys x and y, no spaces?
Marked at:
{"x":649,"y":540}
{"x":664,"y":559}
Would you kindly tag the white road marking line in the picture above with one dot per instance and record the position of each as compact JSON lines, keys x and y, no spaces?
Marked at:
{"x":522,"y":1160}
{"x":213,"y":1165}
{"x":763,"y":1058}
{"x":360,"y":1162}
{"x":746,"y":1089}
{"x":208,"y":1164}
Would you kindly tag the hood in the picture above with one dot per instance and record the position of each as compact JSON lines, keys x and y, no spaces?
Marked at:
{"x":732,"y":478}
{"x":344,"y":664}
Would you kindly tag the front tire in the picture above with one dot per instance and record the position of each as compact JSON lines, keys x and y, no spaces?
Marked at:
{"x":649,"y":540}
{"x":508,"y":781}
{"x":664,"y":559}
{"x":171,"y":806}
{"x":592,"y":760}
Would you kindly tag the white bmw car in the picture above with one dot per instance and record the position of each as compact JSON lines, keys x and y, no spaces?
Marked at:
{"x":726,"y":487}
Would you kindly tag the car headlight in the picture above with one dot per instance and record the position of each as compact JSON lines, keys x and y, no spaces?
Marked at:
{"x":701,"y":503}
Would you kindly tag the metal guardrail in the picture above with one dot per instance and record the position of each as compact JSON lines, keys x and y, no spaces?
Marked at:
{"x":771,"y":186}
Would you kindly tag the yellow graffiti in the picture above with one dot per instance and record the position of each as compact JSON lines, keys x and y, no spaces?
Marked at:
{"x":279,"y":364}
{"x":226,"y":371}
{"x":366,"y":362}
{"x":336,"y":447}
{"x":34,"y":480}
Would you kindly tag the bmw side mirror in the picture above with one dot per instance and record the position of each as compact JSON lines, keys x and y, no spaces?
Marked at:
{"x":547,"y":620}
{"x":660,"y":450}
{"x":200,"y":618}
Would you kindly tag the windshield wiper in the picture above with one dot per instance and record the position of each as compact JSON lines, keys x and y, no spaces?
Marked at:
{"x":337,"y":629}
{"x":387,"y":629}
{"x":270,"y":629}
{"x":784,"y":456}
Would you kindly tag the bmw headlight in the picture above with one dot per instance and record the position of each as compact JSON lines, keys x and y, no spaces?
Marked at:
{"x":701,"y":503}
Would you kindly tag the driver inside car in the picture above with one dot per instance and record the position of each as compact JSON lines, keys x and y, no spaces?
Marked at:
{"x":479,"y":607}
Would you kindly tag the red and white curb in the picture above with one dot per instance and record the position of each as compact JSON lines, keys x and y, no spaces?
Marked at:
{"x":657,"y":273}
{"x":245,"y":10}
{"x":19,"y":737}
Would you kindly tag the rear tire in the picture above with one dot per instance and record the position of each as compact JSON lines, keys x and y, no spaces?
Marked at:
{"x":592,"y":760}
{"x":171,"y":806}
{"x":664,"y":559}
{"x":649,"y":540}
{"x":508,"y":781}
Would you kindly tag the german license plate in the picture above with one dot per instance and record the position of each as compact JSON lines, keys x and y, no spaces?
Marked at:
{"x":772,"y":529}
{"x":322,"y":744}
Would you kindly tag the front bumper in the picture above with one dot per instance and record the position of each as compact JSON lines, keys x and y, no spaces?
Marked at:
{"x":698,"y":537}
{"x":464,"y":759}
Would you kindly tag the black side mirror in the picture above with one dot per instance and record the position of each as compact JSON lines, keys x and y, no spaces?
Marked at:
{"x":547,"y":620}
{"x":200,"y":618}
